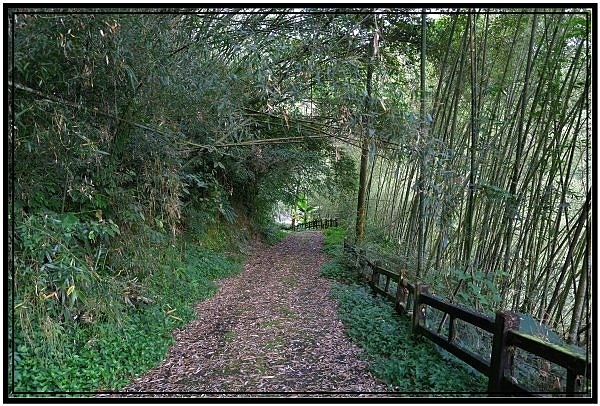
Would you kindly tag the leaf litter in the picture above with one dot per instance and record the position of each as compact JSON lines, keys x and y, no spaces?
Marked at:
{"x":271,"y":330}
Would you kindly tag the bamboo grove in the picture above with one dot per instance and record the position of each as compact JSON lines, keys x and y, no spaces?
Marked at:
{"x":496,"y":173}
{"x":457,"y":140}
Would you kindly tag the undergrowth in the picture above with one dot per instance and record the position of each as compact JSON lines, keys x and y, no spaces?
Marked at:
{"x":272,"y":234}
{"x":100,"y":355}
{"x":339,"y":272}
{"x":406,"y":363}
{"x":333,"y":241}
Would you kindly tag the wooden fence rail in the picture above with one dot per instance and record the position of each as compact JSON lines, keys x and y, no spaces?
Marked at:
{"x":317,"y":224}
{"x":415,"y":300}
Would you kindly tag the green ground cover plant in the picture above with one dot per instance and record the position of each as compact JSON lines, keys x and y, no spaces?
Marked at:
{"x":405,"y":362}
{"x":333,"y":244}
{"x":103,"y":355}
{"x":333,"y":241}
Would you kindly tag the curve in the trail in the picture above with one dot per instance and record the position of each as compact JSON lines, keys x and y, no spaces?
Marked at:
{"x":272,"y":328}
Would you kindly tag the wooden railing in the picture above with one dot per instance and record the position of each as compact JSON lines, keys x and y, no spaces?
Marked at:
{"x":415,"y":301}
{"x":317,"y":224}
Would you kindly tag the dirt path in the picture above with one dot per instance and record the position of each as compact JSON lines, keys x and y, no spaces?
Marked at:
{"x":272,"y":328}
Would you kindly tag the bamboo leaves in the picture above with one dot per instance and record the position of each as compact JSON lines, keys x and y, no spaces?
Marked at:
{"x":503,"y":155}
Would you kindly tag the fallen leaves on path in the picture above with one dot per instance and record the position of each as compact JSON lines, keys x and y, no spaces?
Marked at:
{"x":271,"y":329}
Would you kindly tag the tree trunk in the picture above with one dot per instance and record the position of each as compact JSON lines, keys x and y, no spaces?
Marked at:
{"x":582,"y":290}
{"x":468,"y":243}
{"x":420,"y":186}
{"x":512,"y":205}
{"x":579,"y":225}
{"x":361,"y":210}
{"x":361,"y":207}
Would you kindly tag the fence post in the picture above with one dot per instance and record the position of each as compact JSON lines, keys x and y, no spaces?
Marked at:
{"x":419,"y":310}
{"x":501,"y":358}
{"x":401,"y":295}
{"x":452,"y":329}
{"x":374,"y":276}
{"x":571,"y":382}
{"x":363,"y":264}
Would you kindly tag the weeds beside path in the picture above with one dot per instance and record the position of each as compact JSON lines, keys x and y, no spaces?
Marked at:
{"x":272,"y":328}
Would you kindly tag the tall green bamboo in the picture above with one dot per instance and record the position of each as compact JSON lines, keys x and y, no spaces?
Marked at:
{"x":421,"y":142}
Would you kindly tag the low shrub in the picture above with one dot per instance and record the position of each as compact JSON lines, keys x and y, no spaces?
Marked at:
{"x":92,"y":355}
